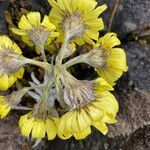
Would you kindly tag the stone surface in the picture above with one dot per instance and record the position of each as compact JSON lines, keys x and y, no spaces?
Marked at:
{"x":139,"y":140}
{"x":134,"y":113}
{"x":129,"y":15}
{"x":138,"y":59}
{"x":3,"y":7}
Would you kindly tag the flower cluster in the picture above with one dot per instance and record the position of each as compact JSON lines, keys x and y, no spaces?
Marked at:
{"x":65,"y":106}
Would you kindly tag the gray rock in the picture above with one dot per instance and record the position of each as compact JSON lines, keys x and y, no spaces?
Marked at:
{"x":3,"y":27}
{"x":129,"y":15}
{"x":138,"y":59}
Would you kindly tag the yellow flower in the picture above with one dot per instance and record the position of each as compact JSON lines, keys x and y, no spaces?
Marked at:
{"x":38,"y":128}
{"x":116,"y":58}
{"x":33,"y":31}
{"x":6,"y":81}
{"x":97,"y":113}
{"x":4,"y":107}
{"x":81,"y":13}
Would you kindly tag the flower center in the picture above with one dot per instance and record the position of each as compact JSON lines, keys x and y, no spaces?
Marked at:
{"x":73,"y":25}
{"x":39,"y":35}
{"x":97,"y":58}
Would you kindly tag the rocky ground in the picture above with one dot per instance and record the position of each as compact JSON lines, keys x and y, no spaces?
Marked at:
{"x":132,"y":23}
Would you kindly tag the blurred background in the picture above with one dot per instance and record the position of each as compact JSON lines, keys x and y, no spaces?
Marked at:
{"x":130,"y":19}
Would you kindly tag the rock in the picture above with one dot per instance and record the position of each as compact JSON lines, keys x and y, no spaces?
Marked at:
{"x":10,"y":135}
{"x":95,"y":141}
{"x":139,"y":140}
{"x":130,"y":14}
{"x":139,"y":64}
{"x":3,"y":27}
{"x":134,"y":113}
{"x":36,"y":5}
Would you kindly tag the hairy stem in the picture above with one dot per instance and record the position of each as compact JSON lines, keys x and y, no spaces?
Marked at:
{"x":76,"y":60}
{"x":43,"y":65}
{"x":61,"y":53}
{"x":40,"y":46}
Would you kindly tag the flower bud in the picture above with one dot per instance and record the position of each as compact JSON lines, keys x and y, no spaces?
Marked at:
{"x":10,"y":61}
{"x":10,"y":101}
{"x":71,"y":91}
{"x":96,"y":58}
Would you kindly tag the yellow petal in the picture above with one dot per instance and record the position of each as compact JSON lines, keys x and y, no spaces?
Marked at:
{"x":55,"y":5}
{"x":2,"y":98}
{"x":38,"y":130}
{"x":67,"y":4}
{"x":50,"y":129}
{"x":61,"y":124}
{"x":107,"y":102}
{"x":46,"y":22}
{"x":27,"y":127}
{"x":88,"y":40}
{"x":11,"y":80}
{"x":5,"y":41}
{"x":54,"y":34}
{"x":83,"y":120}
{"x":102,"y":85}
{"x":26,"y":40}
{"x":34,"y":18}
{"x":117,"y":59}
{"x":109,"y":41}
{"x":108,"y":118}
{"x":4,"y":85}
{"x":92,"y":34}
{"x":20,"y":73}
{"x":95,"y":113}
{"x":22,"y":120}
{"x":24,"y":24}
{"x":101,"y":126}
{"x":95,"y":13}
{"x":16,"y":49}
{"x":18,"y":31}
{"x":96,"y":24}
{"x":75,"y":126}
{"x":110,"y":75}
{"x":82,"y":135}
{"x":90,"y":5}
{"x":4,"y":110}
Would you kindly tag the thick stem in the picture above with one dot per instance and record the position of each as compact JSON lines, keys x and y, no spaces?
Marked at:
{"x":61,"y":53}
{"x":46,"y":88}
{"x":76,"y":60}
{"x":43,"y":54}
{"x":43,"y":65}
{"x":40,"y":47}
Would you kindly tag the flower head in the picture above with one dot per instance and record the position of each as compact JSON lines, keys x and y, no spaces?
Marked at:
{"x":10,"y":101}
{"x":77,"y":19}
{"x":114,"y":58}
{"x":96,"y":113}
{"x":10,"y":69}
{"x":35,"y":32}
{"x":73,"y":92}
{"x":38,"y":128}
